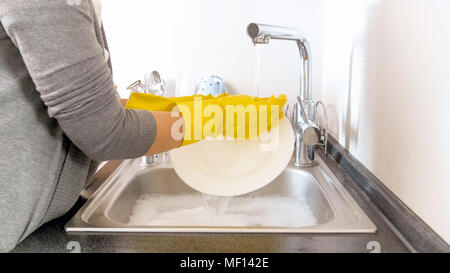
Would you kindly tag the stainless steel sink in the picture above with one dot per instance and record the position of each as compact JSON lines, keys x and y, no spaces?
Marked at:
{"x":109,"y":209}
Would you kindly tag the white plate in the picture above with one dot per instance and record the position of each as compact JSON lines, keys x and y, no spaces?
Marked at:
{"x":231,"y":167}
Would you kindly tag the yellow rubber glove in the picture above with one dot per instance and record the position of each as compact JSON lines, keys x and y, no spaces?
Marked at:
{"x":240,"y":116}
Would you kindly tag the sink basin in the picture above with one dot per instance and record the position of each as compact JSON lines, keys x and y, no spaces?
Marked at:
{"x":111,"y":206}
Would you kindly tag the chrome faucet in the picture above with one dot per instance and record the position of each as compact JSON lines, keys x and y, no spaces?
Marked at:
{"x":306,"y":130}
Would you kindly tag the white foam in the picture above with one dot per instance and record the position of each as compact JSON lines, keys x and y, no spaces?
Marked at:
{"x":190,"y":210}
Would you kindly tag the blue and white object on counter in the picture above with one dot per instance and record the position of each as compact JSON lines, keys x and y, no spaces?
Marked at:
{"x":213,"y":85}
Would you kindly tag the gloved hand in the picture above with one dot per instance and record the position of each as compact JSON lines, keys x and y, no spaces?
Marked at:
{"x":239,"y":117}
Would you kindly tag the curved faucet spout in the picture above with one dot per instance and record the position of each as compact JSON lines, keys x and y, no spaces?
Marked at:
{"x":307,"y":133}
{"x":262,"y":34}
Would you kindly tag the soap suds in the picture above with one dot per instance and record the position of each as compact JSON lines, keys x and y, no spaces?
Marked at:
{"x":190,"y":210}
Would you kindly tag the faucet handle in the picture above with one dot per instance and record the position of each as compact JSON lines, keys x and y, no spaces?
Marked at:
{"x":309,"y":131}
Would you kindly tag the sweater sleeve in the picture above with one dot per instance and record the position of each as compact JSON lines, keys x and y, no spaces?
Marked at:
{"x":58,"y":44}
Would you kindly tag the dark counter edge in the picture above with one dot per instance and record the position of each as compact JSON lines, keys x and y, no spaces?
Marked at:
{"x":421,"y":237}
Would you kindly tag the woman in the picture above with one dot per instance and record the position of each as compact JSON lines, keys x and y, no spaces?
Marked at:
{"x":59,"y":112}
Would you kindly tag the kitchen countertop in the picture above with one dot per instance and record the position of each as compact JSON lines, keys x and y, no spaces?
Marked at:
{"x":51,"y":237}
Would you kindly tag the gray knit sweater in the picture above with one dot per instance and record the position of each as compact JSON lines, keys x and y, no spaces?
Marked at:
{"x":59,"y":113}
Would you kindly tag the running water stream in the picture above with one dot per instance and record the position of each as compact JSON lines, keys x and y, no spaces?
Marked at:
{"x":217,"y":205}
{"x":257,"y":70}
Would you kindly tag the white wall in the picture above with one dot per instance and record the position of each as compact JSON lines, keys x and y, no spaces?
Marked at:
{"x":209,"y":36}
{"x":387,"y":84}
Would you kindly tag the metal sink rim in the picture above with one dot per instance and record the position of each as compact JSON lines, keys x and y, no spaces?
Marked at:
{"x":348,"y":217}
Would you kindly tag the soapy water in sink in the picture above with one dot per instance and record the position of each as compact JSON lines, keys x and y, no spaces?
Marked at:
{"x":198,"y":210}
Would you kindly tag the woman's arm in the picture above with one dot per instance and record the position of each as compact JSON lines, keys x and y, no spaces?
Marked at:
{"x":58,"y":43}
{"x":168,"y":134}
{"x":165,"y":139}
